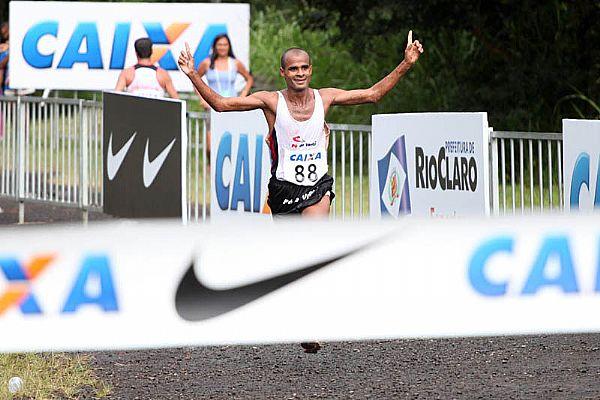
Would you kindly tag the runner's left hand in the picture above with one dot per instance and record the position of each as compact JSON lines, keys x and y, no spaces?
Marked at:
{"x":413,"y":50}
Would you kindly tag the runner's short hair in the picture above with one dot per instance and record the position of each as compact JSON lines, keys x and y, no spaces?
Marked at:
{"x":293,"y":50}
{"x":143,"y":47}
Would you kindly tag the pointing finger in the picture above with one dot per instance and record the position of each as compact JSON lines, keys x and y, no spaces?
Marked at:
{"x":187,"y":49}
{"x":410,"y":37}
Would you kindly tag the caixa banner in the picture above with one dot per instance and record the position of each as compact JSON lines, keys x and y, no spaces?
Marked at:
{"x":160,"y":284}
{"x":84,"y":46}
{"x":581,"y":161}
{"x":430,"y":164}
{"x":240,"y":163}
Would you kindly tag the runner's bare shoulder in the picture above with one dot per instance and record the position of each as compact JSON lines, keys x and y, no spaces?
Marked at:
{"x":269,"y":98}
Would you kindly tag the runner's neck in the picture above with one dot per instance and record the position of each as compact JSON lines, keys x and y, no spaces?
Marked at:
{"x":299,"y":98}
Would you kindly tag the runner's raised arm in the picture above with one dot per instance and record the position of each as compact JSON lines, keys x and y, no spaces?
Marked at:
{"x":334,"y":96}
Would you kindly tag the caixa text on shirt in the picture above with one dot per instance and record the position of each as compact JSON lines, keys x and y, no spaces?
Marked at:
{"x":447,"y":172}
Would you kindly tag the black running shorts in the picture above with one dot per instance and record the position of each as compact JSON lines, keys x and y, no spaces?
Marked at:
{"x":287,"y":198}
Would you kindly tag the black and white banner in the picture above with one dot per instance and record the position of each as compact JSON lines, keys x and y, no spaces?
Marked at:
{"x":144,"y":156}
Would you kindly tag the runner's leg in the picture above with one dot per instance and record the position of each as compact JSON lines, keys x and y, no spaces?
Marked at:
{"x":319,"y":210}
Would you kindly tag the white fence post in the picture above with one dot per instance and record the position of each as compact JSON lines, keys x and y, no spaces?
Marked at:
{"x":494,"y":171}
{"x":21,"y":127}
{"x":83,"y":165}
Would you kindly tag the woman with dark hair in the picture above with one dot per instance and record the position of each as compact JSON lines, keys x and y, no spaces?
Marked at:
{"x":221,"y":69}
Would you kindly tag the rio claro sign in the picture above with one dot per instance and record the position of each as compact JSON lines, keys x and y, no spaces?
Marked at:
{"x":430,"y":164}
{"x":73,"y":45}
{"x":581,"y":164}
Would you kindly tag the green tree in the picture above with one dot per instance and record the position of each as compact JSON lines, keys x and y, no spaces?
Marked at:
{"x":528,"y":63}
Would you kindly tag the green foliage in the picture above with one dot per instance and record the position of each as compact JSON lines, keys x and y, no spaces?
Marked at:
{"x":529,"y":64}
{"x":334,"y":65}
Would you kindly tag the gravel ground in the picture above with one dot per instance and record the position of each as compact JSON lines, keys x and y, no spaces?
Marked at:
{"x":527,"y":367}
{"x":531,"y":367}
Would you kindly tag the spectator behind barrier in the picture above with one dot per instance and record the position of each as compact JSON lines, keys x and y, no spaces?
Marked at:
{"x":4,"y":37}
{"x":145,"y":78}
{"x":221,"y":69}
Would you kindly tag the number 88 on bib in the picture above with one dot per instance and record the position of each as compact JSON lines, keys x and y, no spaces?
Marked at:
{"x":306,"y":167}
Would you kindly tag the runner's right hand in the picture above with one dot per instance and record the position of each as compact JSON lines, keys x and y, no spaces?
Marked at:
{"x":413,"y":50}
{"x":186,"y":60}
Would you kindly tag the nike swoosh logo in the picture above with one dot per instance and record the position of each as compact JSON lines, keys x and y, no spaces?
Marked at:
{"x":196,"y":302}
{"x":151,"y":168}
{"x":114,"y":161}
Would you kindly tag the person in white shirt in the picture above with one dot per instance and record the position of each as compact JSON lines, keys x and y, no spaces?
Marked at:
{"x":145,"y":78}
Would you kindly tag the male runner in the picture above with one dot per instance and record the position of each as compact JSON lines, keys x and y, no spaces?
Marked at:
{"x":145,"y":78}
{"x":299,"y":181}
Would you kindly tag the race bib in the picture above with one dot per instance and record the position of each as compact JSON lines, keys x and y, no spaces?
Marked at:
{"x":304,"y":167}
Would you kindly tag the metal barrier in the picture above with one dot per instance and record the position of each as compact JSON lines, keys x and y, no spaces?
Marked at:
{"x":352,"y":203}
{"x":198,"y":162}
{"x":51,"y":151}
{"x":526,"y":169}
{"x":346,"y":165}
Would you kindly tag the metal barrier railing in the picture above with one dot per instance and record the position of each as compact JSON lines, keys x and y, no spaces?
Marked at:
{"x":198,"y":163}
{"x":51,"y":151}
{"x":349,"y":166}
{"x":526,"y":172}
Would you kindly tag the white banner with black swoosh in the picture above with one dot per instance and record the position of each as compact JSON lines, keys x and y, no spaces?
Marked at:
{"x":122,"y":285}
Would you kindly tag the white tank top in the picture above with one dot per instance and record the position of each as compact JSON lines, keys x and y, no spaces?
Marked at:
{"x":145,"y":82}
{"x":301,"y":153}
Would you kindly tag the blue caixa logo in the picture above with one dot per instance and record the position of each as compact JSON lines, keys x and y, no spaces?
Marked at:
{"x":581,"y":177}
{"x":553,"y":266}
{"x":92,"y":55}
{"x":20,"y":275}
{"x":394,"y":197}
{"x":239,"y":189}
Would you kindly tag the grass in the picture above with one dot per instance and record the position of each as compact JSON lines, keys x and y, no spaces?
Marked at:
{"x":50,"y":375}
{"x":507,"y":208}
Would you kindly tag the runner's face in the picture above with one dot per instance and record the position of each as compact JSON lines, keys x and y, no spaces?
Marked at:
{"x":297,"y":72}
{"x":222,"y":47}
